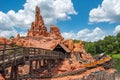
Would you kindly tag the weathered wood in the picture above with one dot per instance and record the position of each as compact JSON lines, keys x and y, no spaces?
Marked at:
{"x":31,"y":68}
{"x":14,"y":72}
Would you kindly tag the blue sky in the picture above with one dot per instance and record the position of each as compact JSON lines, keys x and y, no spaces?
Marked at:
{"x":77,"y":19}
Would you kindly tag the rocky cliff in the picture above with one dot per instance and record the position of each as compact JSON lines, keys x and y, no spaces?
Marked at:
{"x":38,"y":27}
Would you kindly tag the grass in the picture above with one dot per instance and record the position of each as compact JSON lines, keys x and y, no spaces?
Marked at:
{"x":116,"y":56}
{"x":116,"y":59}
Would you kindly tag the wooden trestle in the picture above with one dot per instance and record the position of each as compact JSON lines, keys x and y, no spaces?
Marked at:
{"x":38,"y":60}
{"x":14,"y":56}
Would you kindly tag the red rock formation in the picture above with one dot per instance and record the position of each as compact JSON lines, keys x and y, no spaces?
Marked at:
{"x":3,"y":40}
{"x":38,"y":27}
{"x":1,"y":78}
{"x":18,"y":36}
{"x":69,"y":44}
{"x":55,"y":32}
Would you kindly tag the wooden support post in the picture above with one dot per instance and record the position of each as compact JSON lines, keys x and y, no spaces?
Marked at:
{"x":36,"y":65}
{"x":3,"y":57}
{"x":14,"y":55}
{"x":43,"y":62}
{"x":14,"y":72}
{"x":49,"y":66}
{"x":31,"y":68}
{"x":39,"y":63}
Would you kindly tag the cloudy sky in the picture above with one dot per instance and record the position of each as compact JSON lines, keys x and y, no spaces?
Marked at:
{"x":88,"y":20}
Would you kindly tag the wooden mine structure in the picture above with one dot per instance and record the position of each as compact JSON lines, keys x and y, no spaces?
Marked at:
{"x":37,"y":58}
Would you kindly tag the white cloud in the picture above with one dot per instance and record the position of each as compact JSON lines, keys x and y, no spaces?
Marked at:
{"x":69,"y":35}
{"x":108,"y":11}
{"x":8,"y":33}
{"x":23,"y":33}
{"x":117,"y":29}
{"x":51,"y":10}
{"x":86,"y":34}
{"x":5,"y":22}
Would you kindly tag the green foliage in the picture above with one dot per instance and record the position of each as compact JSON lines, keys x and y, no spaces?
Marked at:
{"x":90,"y":47}
{"x":116,"y":56}
{"x":11,"y":37}
{"x":76,"y":41}
{"x":110,"y":44}
{"x":117,"y":64}
{"x":116,"y":59}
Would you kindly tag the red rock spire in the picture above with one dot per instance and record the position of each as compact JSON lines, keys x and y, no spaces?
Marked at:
{"x":38,"y":27}
{"x":38,"y":17}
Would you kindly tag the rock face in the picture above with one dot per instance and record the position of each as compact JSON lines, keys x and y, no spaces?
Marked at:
{"x":69,"y":44}
{"x":3,"y":40}
{"x":38,"y":27}
{"x":55,"y":32}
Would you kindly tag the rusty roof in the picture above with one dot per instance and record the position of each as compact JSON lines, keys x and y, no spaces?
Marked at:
{"x":64,"y":47}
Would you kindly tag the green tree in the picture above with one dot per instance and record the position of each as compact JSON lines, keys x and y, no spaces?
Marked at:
{"x":118,"y":41}
{"x":11,"y":37}
{"x":90,"y":47}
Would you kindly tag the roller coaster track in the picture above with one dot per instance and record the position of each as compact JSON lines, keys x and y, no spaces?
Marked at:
{"x":98,"y":62}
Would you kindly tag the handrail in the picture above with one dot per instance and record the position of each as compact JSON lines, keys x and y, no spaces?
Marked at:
{"x":27,"y":51}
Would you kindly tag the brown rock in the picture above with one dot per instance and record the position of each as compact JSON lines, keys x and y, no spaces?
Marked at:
{"x":3,"y":40}
{"x":55,"y":32}
{"x":38,"y":27}
{"x":69,"y":44}
{"x":78,"y":47}
{"x":18,"y":36}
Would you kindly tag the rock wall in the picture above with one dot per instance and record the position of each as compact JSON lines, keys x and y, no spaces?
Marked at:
{"x":100,"y":75}
{"x":55,"y":32}
{"x":3,"y":40}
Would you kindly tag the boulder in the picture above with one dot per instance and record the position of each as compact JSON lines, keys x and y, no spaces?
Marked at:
{"x":3,"y":40}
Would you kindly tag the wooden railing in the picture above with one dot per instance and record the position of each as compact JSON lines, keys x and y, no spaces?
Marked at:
{"x":10,"y":53}
{"x":38,"y":52}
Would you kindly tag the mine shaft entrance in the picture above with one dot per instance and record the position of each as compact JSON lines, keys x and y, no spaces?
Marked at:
{"x":62,"y":48}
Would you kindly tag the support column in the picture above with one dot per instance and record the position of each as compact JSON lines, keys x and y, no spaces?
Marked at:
{"x":31,"y":68}
{"x":43,"y":62}
{"x":14,"y":72}
{"x":36,"y":65}
{"x":39,"y":63}
{"x":49,"y":66}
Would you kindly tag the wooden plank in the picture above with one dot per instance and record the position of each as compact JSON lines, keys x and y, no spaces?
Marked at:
{"x":7,"y":60}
